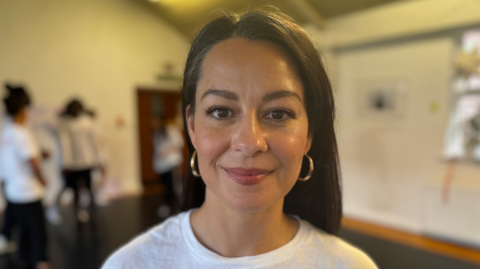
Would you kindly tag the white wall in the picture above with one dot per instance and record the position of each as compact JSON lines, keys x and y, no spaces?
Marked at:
{"x":97,"y":50}
{"x":387,"y":161}
{"x":393,"y":169}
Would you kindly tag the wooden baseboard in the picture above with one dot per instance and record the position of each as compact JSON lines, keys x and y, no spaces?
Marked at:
{"x":463,"y":253}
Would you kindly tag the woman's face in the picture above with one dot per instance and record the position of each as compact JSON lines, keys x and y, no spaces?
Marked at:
{"x":250,"y":126}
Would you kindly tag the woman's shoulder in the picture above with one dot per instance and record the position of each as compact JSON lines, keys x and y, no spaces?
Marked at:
{"x":338,"y":251}
{"x":148,"y":249}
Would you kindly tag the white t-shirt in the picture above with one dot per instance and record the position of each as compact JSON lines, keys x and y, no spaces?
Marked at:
{"x":17,"y":147}
{"x":172,"y":244}
{"x":79,"y":143}
{"x":173,"y":139}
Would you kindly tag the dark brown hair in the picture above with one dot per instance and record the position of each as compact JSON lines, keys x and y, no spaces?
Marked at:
{"x":16,"y":99}
{"x":317,"y":200}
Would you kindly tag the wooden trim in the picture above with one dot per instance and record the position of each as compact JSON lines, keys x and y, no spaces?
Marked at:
{"x":416,"y":241}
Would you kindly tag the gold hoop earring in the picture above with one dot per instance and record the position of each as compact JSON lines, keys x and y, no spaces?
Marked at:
{"x":310,"y":171}
{"x":192,"y":164}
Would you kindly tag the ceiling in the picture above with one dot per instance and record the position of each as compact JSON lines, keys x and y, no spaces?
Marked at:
{"x":188,"y":15}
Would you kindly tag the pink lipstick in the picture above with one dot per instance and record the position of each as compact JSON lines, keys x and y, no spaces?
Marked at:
{"x":247,"y":176}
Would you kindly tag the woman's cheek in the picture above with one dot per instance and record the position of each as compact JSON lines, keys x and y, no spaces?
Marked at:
{"x":291,"y":139}
{"x":211,"y":143}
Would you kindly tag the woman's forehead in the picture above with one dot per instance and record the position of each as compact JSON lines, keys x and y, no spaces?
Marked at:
{"x":240,"y":53}
{"x":248,"y":67}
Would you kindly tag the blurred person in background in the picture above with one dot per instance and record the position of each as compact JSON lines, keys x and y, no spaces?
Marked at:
{"x":80,"y":156}
{"x":100,"y":174}
{"x":167,"y":157}
{"x":24,"y":182}
{"x":264,"y":191}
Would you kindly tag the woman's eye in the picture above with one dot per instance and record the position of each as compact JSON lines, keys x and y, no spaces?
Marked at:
{"x":279,"y":115}
{"x":221,"y":113}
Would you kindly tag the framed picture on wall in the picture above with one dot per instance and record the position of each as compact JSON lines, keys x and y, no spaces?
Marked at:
{"x":382,"y":99}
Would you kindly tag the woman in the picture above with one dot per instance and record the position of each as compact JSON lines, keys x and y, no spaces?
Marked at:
{"x":24,"y":182}
{"x":260,"y":117}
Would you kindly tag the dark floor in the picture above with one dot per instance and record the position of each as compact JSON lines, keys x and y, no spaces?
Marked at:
{"x":389,"y":255}
{"x":87,"y":246}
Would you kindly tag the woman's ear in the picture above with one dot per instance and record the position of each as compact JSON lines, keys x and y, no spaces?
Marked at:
{"x":190,"y":125}
{"x":308,"y":145}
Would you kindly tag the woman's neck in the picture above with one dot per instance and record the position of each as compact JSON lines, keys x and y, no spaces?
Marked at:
{"x":237,"y":234}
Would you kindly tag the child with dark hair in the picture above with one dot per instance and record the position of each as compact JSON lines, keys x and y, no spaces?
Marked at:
{"x":80,"y":156}
{"x":24,"y":182}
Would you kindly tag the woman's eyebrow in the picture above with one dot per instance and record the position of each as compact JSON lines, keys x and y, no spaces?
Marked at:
{"x":222,"y":93}
{"x":280,"y":94}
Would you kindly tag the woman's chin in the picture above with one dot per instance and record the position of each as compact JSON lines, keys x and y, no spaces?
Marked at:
{"x":240,"y":198}
{"x":248,"y":204}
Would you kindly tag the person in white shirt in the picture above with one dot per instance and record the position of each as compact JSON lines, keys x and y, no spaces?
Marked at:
{"x":80,"y":156}
{"x":264,"y":191}
{"x":167,"y":157}
{"x":24,"y":182}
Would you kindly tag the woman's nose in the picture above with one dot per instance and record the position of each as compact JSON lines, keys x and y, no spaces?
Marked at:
{"x":249,"y":137}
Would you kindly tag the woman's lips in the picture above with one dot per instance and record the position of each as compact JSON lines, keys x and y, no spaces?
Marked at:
{"x":247,"y":176}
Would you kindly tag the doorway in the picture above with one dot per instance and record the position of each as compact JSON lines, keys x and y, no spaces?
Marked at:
{"x":150,"y":104}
